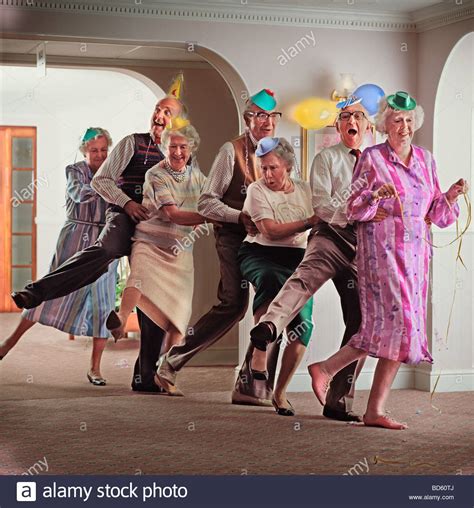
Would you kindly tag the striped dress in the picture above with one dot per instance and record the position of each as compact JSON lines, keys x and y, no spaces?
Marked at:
{"x":393,"y":255}
{"x":83,"y":312}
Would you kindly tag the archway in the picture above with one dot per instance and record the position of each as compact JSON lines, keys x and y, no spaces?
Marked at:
{"x":453,"y":147}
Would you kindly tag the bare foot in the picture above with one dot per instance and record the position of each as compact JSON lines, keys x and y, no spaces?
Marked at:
{"x":116,"y":326}
{"x":259,"y":360}
{"x":385,"y":422}
{"x":320,"y":381}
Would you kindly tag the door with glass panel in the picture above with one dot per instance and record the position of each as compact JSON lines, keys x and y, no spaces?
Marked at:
{"x":17,"y":211}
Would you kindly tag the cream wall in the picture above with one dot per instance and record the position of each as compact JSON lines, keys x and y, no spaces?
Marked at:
{"x":393,"y":60}
{"x":62,"y":106}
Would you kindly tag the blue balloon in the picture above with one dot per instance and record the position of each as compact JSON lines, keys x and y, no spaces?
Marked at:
{"x":370,"y":95}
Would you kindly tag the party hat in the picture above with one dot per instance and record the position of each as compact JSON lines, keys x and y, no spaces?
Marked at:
{"x":176,"y":88}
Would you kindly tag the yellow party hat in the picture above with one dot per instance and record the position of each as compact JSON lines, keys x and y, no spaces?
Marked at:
{"x":178,"y":123}
{"x":176,"y":88}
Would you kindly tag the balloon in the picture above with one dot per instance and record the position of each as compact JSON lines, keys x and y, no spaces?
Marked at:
{"x":370,"y":95}
{"x":315,"y":113}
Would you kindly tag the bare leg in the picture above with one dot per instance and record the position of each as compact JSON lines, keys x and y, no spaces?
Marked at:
{"x":259,"y":358}
{"x":322,"y":372}
{"x":291,"y":359}
{"x":385,"y":373}
{"x":23,"y":326}
{"x":98,"y":346}
{"x":360,"y":366}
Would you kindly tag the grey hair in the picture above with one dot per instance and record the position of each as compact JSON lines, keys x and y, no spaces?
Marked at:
{"x":285,"y":152}
{"x":385,"y":110}
{"x":188,"y":132}
{"x":101,"y":133}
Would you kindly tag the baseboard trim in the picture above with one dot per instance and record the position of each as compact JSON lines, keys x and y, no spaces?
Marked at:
{"x":407,"y":378}
{"x":461,"y":380}
{"x":215,"y":356}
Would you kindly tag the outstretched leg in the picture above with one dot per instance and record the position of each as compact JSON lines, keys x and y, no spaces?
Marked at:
{"x":117,"y":320}
{"x":322,"y":372}
{"x":23,"y":326}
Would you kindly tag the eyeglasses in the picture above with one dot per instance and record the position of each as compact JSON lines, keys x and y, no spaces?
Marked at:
{"x":345,"y":115}
{"x":263,"y":117}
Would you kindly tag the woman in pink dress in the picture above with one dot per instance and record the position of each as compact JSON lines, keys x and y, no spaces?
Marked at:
{"x":392,"y":255}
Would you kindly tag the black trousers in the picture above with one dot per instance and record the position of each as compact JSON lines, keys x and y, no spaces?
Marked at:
{"x":86,"y":267}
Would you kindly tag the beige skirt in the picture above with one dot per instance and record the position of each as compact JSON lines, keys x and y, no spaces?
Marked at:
{"x":165,"y":281}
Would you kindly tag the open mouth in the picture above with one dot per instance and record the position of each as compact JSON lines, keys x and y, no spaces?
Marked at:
{"x":352,"y":132}
{"x":158,"y":123}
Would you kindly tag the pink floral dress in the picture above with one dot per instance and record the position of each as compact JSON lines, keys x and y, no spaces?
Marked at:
{"x":393,"y":255}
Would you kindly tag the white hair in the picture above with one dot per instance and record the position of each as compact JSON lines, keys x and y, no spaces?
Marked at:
{"x":100,"y":133}
{"x":385,"y":111}
{"x":188,"y":132}
{"x":285,"y":152}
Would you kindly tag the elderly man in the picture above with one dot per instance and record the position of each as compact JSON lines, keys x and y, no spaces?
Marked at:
{"x":222,"y":200}
{"x":329,"y":255}
{"x":119,"y":181}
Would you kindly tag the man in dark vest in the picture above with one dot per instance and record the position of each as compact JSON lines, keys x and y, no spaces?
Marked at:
{"x":222,"y":200}
{"x":119,"y":181}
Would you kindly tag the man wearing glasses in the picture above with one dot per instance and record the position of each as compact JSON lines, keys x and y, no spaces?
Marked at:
{"x":329,"y":255}
{"x":234,"y":169}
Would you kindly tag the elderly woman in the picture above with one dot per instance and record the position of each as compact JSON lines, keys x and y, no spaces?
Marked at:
{"x":83,"y":312}
{"x":280,"y":207}
{"x":161,"y":276}
{"x":392,"y":255}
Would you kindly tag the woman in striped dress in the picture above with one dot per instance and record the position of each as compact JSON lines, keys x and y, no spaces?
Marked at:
{"x":83,"y":312}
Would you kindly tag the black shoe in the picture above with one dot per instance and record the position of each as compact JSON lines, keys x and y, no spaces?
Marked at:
{"x":148,"y":389}
{"x":24,"y":299}
{"x":342,"y":416}
{"x":284,"y":411}
{"x":262,"y":334}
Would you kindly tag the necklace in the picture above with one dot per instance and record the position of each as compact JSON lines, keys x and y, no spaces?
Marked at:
{"x":178,"y":176}
{"x":147,"y":150}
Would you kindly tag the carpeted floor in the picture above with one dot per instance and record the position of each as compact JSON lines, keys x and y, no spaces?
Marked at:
{"x":50,"y":414}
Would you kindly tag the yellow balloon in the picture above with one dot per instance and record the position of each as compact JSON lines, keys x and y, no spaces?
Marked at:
{"x":315,"y":113}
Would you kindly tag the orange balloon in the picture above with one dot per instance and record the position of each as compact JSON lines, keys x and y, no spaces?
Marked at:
{"x":315,"y":113}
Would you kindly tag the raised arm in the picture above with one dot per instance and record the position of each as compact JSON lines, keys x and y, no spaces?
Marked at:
{"x":77,"y":188}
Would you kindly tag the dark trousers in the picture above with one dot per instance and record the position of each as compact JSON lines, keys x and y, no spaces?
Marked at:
{"x":86,"y":267}
{"x":233,"y":295}
{"x":330,"y":254}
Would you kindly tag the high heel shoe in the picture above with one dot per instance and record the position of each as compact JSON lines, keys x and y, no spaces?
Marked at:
{"x":284,"y":411}
{"x":96,"y":380}
{"x":262,"y":334}
{"x":114,"y":324}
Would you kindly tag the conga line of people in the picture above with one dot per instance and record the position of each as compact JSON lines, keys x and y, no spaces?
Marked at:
{"x":283,"y":235}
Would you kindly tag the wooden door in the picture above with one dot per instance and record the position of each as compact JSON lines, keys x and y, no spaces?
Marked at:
{"x":18,"y":184}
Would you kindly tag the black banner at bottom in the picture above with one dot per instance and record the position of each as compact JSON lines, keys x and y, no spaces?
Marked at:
{"x":237,"y":491}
